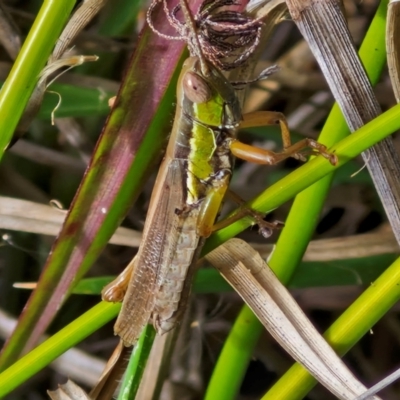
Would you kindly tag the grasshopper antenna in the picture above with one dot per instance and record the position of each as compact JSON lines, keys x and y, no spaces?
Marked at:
{"x":193,"y":39}
{"x":225,"y":38}
{"x":171,"y":21}
{"x":187,"y":32}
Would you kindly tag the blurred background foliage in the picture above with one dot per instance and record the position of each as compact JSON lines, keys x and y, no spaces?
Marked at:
{"x":49,"y":162}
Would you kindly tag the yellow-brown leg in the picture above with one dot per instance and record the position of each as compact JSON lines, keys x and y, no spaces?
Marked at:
{"x":265,"y":118}
{"x":262,"y":156}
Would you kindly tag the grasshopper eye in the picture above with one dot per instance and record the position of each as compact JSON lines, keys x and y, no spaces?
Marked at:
{"x":196,"y":88}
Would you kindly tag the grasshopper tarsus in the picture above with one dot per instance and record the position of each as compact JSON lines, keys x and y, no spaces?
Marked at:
{"x":266,"y":229}
{"x":315,"y":147}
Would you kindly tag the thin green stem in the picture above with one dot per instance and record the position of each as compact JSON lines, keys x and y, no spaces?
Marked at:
{"x":137,"y":363}
{"x":238,"y":349}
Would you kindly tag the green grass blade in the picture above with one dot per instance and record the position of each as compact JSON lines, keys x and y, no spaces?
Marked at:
{"x":53,"y":347}
{"x":75,"y":102}
{"x":24,"y":75}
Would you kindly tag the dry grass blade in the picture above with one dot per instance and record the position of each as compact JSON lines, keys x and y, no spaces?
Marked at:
{"x":343,"y":248}
{"x":380,"y":386}
{"x":112,"y":374}
{"x":69,"y":391}
{"x":9,"y":33}
{"x":83,"y":15}
{"x":45,"y":156}
{"x":393,"y":46}
{"x":247,"y":272}
{"x":324,"y":27}
{"x":27,"y":216}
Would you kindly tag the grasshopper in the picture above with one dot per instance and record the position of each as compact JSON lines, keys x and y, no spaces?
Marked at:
{"x":189,"y":190}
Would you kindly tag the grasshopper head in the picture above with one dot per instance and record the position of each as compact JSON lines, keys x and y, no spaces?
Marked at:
{"x":210,"y":98}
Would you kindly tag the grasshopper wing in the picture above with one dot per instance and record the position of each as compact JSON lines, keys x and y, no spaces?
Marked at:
{"x":156,"y":251}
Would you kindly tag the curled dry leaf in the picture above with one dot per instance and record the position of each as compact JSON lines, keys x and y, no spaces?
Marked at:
{"x":247,"y":272}
{"x":67,"y":61}
{"x":82,"y":16}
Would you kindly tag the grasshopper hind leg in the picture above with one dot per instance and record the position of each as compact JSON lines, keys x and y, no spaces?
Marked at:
{"x":261,"y":156}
